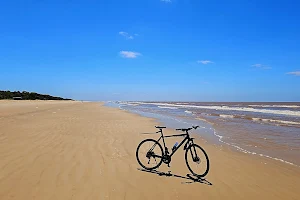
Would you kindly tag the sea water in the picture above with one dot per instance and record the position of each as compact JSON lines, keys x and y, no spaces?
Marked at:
{"x":270,"y":130}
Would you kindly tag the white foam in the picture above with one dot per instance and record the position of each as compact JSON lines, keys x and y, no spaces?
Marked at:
{"x":250,"y":152}
{"x":167,"y":107}
{"x":256,"y":119}
{"x":276,"y":106}
{"x":214,"y":131}
{"x":285,"y":122}
{"x":277,"y":121}
{"x":244,"y":109}
{"x":132,"y":104}
{"x":227,"y":116}
{"x":187,"y":111}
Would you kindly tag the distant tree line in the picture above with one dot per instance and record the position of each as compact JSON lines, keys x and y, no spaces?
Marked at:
{"x":28,"y":96}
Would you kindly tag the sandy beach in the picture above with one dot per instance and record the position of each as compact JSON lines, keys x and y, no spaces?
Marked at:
{"x":81,"y":150}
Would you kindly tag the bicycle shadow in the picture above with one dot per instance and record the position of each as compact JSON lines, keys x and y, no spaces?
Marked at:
{"x":193,"y":179}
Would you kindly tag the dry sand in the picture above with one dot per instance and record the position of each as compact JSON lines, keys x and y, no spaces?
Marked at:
{"x":74,"y":150}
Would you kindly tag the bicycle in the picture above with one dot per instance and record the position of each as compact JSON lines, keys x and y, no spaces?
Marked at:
{"x":151,"y":150}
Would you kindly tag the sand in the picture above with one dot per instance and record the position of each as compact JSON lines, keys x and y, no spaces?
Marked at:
{"x":74,"y":150}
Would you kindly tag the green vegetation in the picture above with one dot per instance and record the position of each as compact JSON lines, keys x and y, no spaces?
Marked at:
{"x":28,"y":96}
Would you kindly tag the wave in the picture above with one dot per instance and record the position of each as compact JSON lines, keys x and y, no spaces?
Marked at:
{"x":132,"y":104}
{"x":285,"y":122}
{"x":250,"y":152}
{"x":167,"y":107}
{"x":276,"y":121}
{"x":226,"y":116}
{"x":221,"y":138}
{"x":275,"y":106}
{"x":129,"y":103}
{"x":257,"y":119}
{"x":187,"y":111}
{"x":227,"y":108}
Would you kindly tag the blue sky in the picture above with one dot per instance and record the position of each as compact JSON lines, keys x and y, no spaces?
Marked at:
{"x":176,"y":50}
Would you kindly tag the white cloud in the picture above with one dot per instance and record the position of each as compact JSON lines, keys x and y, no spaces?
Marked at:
{"x":261,"y":66}
{"x":257,"y":65}
{"x":129,"y":54}
{"x":126,"y":35}
{"x":296,"y":73}
{"x":166,"y":1}
{"x":204,"y":62}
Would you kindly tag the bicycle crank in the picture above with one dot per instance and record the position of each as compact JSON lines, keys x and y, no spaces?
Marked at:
{"x":166,"y":159}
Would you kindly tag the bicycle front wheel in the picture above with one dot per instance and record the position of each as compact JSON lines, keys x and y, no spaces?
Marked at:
{"x":197,"y":160}
{"x":149,"y":154}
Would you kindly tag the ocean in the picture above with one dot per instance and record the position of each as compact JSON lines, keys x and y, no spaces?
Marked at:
{"x":269,"y":130}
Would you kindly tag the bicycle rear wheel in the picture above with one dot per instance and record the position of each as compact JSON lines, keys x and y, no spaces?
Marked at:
{"x":197,"y":160}
{"x":149,"y":154}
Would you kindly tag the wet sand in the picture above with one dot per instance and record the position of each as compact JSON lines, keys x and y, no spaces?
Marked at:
{"x":75,"y":150}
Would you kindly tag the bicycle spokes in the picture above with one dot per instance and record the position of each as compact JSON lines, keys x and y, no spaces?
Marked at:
{"x":155,"y":160}
{"x":149,"y":154}
{"x":197,"y":160}
{"x":195,"y":157}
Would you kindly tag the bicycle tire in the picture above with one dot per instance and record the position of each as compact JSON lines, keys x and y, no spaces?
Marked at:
{"x":137,"y":154}
{"x":187,"y":162}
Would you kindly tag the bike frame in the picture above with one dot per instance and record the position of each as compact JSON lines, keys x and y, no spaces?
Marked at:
{"x":186,"y":139}
{"x":164,"y":155}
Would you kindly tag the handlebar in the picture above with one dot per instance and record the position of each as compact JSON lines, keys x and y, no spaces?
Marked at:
{"x":187,"y":129}
{"x":160,"y":127}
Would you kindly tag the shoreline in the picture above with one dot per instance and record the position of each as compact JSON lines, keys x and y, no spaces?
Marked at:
{"x":217,"y":140}
{"x":87,"y":151}
{"x":236,"y":136}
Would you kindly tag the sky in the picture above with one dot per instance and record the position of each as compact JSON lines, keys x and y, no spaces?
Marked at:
{"x":152,"y":50}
